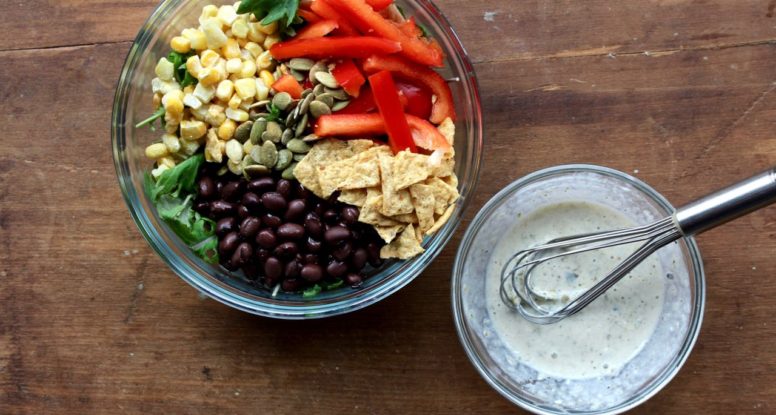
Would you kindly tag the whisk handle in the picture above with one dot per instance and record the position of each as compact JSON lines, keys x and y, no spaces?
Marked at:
{"x":727,"y":204}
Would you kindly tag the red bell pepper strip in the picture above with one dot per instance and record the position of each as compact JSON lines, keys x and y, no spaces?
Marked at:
{"x":318,"y":29}
{"x":364,"y":103}
{"x":417,"y":100}
{"x":420,"y":75}
{"x":367,"y":20}
{"x":424,"y":134}
{"x":410,"y":28}
{"x":379,"y":5}
{"x":334,"y":47}
{"x":387,"y":99}
{"x":348,"y":76}
{"x":324,"y":9}
{"x":308,"y":16}
{"x":287,"y":83}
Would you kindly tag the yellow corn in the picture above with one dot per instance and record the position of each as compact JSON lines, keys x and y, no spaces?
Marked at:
{"x":225,"y":90}
{"x":157,"y":100}
{"x":271,"y":40}
{"x":262,"y":90}
{"x":227,"y":14}
{"x":197,"y":39}
{"x":264,"y":60}
{"x":253,"y":48}
{"x":226,"y":130}
{"x":214,"y":148}
{"x":158,"y":171}
{"x":194,"y":66}
{"x":213,"y":34}
{"x":234,"y":65}
{"x":209,"y":58}
{"x":255,"y":34}
{"x":245,"y":88}
{"x":231,"y":49}
{"x":267,"y":77}
{"x":190,"y":147}
{"x":192,"y":129}
{"x":166,"y":161}
{"x":245,"y":104}
{"x":235,"y":102}
{"x":172,"y":143}
{"x":269,"y":29}
{"x":164,"y":69}
{"x":156,"y":151}
{"x":240,"y":28}
{"x":248,"y":69}
{"x":208,"y":12}
{"x":188,"y":89}
{"x":180,"y":44}
{"x":173,"y":104}
{"x":204,"y":93}
{"x":236,"y":115}
{"x":215,"y":115}
{"x":209,"y":77}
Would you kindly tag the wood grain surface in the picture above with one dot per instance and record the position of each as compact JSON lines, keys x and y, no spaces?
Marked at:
{"x":678,"y":92}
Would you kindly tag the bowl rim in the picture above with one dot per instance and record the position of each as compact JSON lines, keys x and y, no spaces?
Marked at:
{"x":209,"y":285}
{"x":696,"y":315}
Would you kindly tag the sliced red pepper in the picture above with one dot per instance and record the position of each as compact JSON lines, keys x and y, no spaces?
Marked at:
{"x":359,"y":13}
{"x":348,"y":76}
{"x":379,"y":5}
{"x":364,"y":103}
{"x":443,"y":106}
{"x":287,"y":83}
{"x":324,"y":9}
{"x":418,"y":99}
{"x":387,"y":99}
{"x":308,"y":16}
{"x":334,"y":47}
{"x":318,"y":29}
{"x":424,"y":134}
{"x":410,"y":28}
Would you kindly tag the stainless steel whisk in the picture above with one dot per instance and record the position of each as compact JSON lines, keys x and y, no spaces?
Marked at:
{"x":517,"y":290}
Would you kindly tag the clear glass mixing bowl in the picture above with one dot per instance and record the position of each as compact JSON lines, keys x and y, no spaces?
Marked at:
{"x":650,"y":369}
{"x":132,"y":103}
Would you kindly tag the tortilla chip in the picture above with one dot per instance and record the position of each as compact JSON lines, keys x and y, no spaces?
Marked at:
{"x":452,"y":180}
{"x":419,"y":235}
{"x":442,"y":220}
{"x":355,"y":172}
{"x":444,"y":194}
{"x":370,"y":211}
{"x":405,"y":246}
{"x":388,"y":233}
{"x":445,"y":168}
{"x":410,"y":168}
{"x":395,"y":202}
{"x":447,"y":129}
{"x":355,"y":197}
{"x":322,"y":153}
{"x":406,"y":218}
{"x":423,"y":201}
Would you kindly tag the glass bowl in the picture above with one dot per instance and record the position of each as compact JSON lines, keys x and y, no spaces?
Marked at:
{"x":651,"y":368}
{"x":132,"y":104}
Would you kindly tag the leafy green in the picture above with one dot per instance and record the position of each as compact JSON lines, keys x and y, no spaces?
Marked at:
{"x":312,"y":291}
{"x":330,"y":285}
{"x":182,"y":75}
{"x":274,"y":112}
{"x":182,"y":177}
{"x":268,"y":11}
{"x":159,"y":113}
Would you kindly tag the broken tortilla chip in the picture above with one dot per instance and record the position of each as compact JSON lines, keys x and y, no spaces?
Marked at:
{"x":423,"y":201}
{"x":395,"y":202}
{"x":370,"y":211}
{"x":355,"y":197}
{"x":405,"y":246}
{"x":442,"y":220}
{"x":355,"y":172}
{"x":410,"y":168}
{"x":388,"y":233}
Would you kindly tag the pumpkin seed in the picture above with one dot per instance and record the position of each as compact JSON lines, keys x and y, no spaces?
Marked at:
{"x":299,"y":157}
{"x":285,"y":158}
{"x":340,"y":105}
{"x":298,"y":146}
{"x":235,"y":168}
{"x":327,"y":79}
{"x":288,"y":134}
{"x":300,"y":77}
{"x":306,"y":92}
{"x":257,"y":130}
{"x":273,"y":132}
{"x":282,"y":100}
{"x":310,"y":138}
{"x":222,"y":171}
{"x":268,"y":154}
{"x":255,"y":170}
{"x":243,"y":132}
{"x":301,"y":126}
{"x":318,"y":108}
{"x":256,"y":115}
{"x":256,"y":153}
{"x":319,"y":66}
{"x":338,"y":94}
{"x":301,"y":64}
{"x":305,"y":105}
{"x":319,"y":89}
{"x":290,"y":118}
{"x":259,"y":104}
{"x":326,"y":98}
{"x":288,"y":173}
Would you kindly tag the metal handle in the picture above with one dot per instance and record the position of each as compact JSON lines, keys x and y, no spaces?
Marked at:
{"x":727,"y":204}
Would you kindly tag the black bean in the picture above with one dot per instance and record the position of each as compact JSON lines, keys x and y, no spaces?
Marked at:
{"x":203,"y":208}
{"x":313,"y":225}
{"x":373,"y":251}
{"x":228,"y":243}
{"x":313,"y":245}
{"x":273,"y":268}
{"x":273,"y":201}
{"x":229,"y":265}
{"x":242,"y":254}
{"x":293,"y":268}
{"x":206,"y":188}
{"x":330,"y":216}
{"x":232,"y":191}
{"x":312,"y":272}
{"x":262,"y":255}
{"x":266,"y":239}
{"x":271,"y":220}
{"x":354,"y":280}
{"x":291,"y":285}
{"x":284,"y":187}
{"x":295,"y":209}
{"x":286,"y":250}
{"x":250,"y":227}
{"x":302,"y":192}
{"x":225,"y":226}
{"x":349,"y":215}
{"x":252,"y":201}
{"x":310,"y":259}
{"x":251,"y":269}
{"x":319,"y":208}
{"x":219,"y":187}
{"x":261,"y":185}
{"x":290,"y":231}
{"x":336,"y":269}
{"x":336,"y":234}
{"x":243,"y":212}
{"x":220,"y":209}
{"x":342,"y":251}
{"x":359,"y":259}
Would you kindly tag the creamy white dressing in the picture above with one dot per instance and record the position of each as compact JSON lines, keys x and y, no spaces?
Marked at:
{"x":603,"y":337}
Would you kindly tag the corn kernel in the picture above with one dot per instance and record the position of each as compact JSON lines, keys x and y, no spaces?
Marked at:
{"x":158,"y":171}
{"x":157,"y":100}
{"x":215,"y":115}
{"x":245,"y":88}
{"x":227,"y":14}
{"x":172,"y":143}
{"x":163,"y":87}
{"x":213,"y":34}
{"x":166,"y":161}
{"x":245,"y":104}
{"x":226,"y":129}
{"x":214,"y":148}
{"x":209,"y":77}
{"x":234,"y":150}
{"x":231,"y":49}
{"x":190,"y":101}
{"x":234,"y":65}
{"x":255,"y":34}
{"x":156,"y":151}
{"x":173,"y":104}
{"x":196,"y":38}
{"x":269,"y":29}
{"x":204,"y":93}
{"x":236,"y":115}
{"x":220,"y":67}
{"x":192,"y":130}
{"x":264,"y":60}
{"x":262,"y":90}
{"x":189,"y":147}
{"x":209,"y":58}
{"x":271,"y":40}
{"x":235,"y":102}
{"x":248,"y":69}
{"x":254,"y":49}
{"x":194,"y":66}
{"x":165,"y":70}
{"x":208,"y":12}
{"x":180,"y":44}
{"x":189,"y":89}
{"x":240,"y":28}
{"x":267,"y":77}
{"x":225,"y":90}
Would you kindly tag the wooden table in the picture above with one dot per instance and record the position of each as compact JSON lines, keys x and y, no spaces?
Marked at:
{"x":678,"y":92}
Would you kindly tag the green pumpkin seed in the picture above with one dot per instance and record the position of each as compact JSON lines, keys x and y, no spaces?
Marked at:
{"x":259,"y":104}
{"x":301,"y":126}
{"x":288,"y":134}
{"x":340,"y":105}
{"x":255,"y":115}
{"x":306,"y":92}
{"x":300,"y":77}
{"x":318,"y":90}
{"x":268,"y":154}
{"x":272,"y":133}
{"x":243,"y":132}
{"x":338,"y":93}
{"x":298,"y":146}
{"x":301,"y":64}
{"x":326,"y":98}
{"x":255,"y":170}
{"x":288,"y":173}
{"x":285,"y":158}
{"x":319,"y":66}
{"x":327,"y":79}
{"x":305,"y":105}
{"x":299,"y":157}
{"x":256,"y":153}
{"x":318,"y":108}
{"x":282,"y":100}
{"x":311,"y":138}
{"x":258,"y":128}
{"x":222,"y":171}
{"x":290,"y":118}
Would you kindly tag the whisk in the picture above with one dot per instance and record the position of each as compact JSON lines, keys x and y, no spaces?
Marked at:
{"x":518,"y":291}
